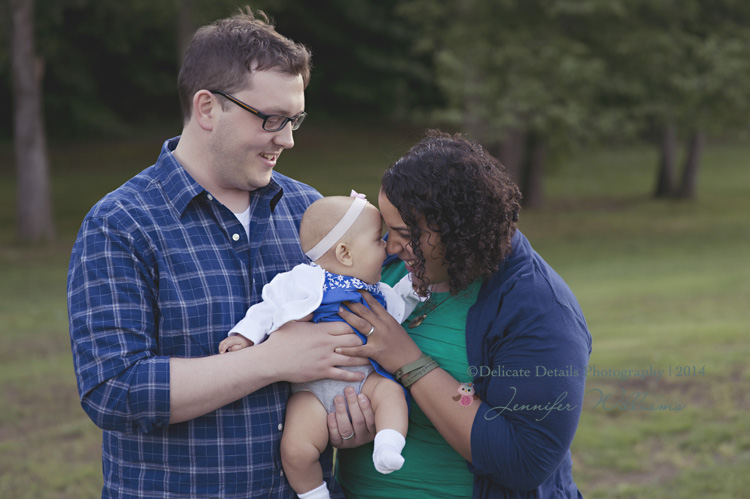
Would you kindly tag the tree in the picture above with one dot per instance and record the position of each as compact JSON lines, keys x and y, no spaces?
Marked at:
{"x":111,"y":65}
{"x":689,"y":184}
{"x":518,"y":76}
{"x":533,"y":79}
{"x":34,"y":216}
{"x":677,"y":69}
{"x":665,"y":180}
{"x":713,"y":80}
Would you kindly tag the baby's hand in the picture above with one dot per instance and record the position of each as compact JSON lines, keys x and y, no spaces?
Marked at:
{"x":234,"y":342}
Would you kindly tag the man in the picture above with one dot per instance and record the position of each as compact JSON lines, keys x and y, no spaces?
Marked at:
{"x":165,"y":265}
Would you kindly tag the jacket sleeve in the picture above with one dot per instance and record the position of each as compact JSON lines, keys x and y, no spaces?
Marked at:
{"x":122,"y":382}
{"x":289,"y":296}
{"x":531,"y":382}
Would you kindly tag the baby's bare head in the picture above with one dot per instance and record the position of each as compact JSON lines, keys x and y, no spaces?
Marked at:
{"x":321,"y":216}
{"x":359,"y":252}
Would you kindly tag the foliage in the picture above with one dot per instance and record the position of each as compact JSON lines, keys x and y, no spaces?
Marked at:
{"x":112,"y":65}
{"x":676,"y":62}
{"x":105,"y":62}
{"x":514,"y":65}
{"x":363,"y":68}
{"x":577,"y":71}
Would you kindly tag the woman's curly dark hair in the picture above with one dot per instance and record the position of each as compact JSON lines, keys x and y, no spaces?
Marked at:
{"x":461,"y":192}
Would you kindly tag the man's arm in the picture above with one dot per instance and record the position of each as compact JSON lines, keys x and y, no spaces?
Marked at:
{"x":124,"y":383}
{"x":297,"y":352}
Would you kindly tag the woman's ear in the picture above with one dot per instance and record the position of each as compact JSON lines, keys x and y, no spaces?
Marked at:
{"x":204,"y":109}
{"x":344,"y":254}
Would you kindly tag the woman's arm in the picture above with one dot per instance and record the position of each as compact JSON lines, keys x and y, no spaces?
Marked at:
{"x":522,"y":432}
{"x":434,"y":394}
{"x":392,"y":347}
{"x":527,"y":420}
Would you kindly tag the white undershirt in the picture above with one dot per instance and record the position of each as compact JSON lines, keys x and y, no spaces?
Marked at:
{"x":244,"y":219}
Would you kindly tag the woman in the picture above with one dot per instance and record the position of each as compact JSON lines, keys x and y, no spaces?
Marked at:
{"x":494,"y":358}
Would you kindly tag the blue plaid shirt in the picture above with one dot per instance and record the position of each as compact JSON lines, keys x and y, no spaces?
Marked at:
{"x":160,"y":269}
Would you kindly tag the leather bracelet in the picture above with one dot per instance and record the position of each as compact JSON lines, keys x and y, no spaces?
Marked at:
{"x":413,"y":376}
{"x":411,"y":366}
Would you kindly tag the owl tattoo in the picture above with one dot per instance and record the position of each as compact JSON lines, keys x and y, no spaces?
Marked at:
{"x":465,"y":395}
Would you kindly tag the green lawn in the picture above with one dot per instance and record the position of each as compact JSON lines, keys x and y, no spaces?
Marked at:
{"x":665,"y":285}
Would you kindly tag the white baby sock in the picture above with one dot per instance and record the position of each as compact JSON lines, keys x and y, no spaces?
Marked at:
{"x":317,"y":493}
{"x":387,"y":454}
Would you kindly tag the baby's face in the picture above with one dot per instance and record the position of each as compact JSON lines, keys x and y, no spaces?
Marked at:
{"x":368,"y":247}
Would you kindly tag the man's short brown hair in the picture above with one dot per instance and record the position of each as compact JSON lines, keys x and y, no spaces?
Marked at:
{"x":222,"y":54}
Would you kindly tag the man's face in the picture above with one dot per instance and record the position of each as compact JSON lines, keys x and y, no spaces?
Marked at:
{"x":243,"y":154}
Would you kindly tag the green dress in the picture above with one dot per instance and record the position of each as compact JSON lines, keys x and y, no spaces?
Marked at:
{"x":431,"y":468}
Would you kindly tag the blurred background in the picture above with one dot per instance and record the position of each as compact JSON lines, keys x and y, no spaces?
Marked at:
{"x":625,"y":122}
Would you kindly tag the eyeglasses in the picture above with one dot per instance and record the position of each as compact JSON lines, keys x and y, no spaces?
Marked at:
{"x":271,"y":122}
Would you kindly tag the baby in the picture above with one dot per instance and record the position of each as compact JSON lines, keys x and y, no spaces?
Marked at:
{"x":342,"y":236}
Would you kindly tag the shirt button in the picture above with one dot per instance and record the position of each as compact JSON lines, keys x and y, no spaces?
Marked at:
{"x":281,"y":426}
{"x":235,"y":237}
{"x":210,"y":197}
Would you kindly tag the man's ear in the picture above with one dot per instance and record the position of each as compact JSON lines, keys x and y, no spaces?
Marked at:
{"x":344,"y":255}
{"x":204,"y":109}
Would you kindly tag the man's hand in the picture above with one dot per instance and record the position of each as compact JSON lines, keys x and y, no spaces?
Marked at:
{"x":345,"y":433}
{"x":297,"y":352}
{"x":303,"y":351}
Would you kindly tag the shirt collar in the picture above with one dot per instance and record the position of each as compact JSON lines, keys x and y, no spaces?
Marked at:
{"x":181,"y":188}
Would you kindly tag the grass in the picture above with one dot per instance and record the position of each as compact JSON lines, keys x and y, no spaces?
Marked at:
{"x":664,"y":285}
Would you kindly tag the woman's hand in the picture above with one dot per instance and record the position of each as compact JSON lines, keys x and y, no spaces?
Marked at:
{"x":388,"y":344}
{"x":345,"y":433}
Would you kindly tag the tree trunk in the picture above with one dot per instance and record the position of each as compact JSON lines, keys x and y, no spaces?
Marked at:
{"x":665,"y":180}
{"x":34,"y":217}
{"x":688,"y":187}
{"x":532,"y":190}
{"x":511,"y":154}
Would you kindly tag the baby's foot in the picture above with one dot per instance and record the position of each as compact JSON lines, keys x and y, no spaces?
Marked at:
{"x":387,"y":454}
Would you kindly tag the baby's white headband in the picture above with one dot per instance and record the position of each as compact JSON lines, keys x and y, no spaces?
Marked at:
{"x":340,"y":228}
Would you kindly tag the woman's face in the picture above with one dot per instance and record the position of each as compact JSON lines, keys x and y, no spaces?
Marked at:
{"x":399,"y":243}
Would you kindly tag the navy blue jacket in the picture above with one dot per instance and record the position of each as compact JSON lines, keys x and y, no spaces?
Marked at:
{"x":528,"y":347}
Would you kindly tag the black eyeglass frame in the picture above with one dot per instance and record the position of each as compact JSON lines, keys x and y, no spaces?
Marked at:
{"x":296,"y":120}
